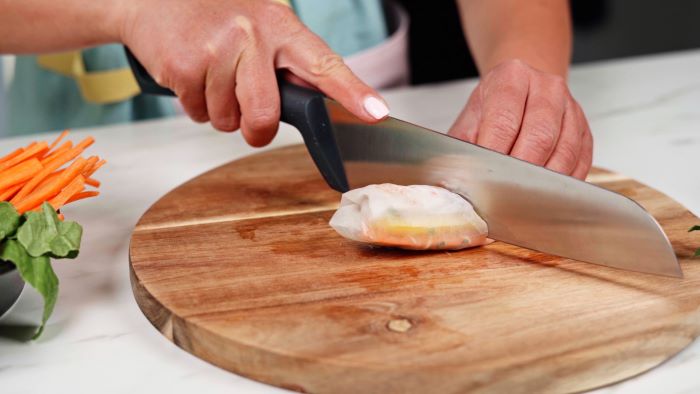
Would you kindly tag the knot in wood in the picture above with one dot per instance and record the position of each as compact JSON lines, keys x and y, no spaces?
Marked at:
{"x":399,"y":325}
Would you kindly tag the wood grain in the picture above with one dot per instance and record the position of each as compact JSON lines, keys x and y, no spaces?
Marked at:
{"x":240,"y":268}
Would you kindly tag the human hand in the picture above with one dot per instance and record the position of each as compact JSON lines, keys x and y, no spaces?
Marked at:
{"x":529,"y":114}
{"x":220,"y":57}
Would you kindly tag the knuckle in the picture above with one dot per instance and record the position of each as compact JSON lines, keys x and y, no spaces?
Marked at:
{"x":549,"y":105}
{"x":584,"y":132}
{"x":294,"y":31}
{"x":501,"y":141}
{"x":193,"y":104}
{"x":511,"y":93}
{"x":584,"y":129}
{"x":286,"y":24}
{"x":540,"y":137}
{"x":577,"y":107}
{"x":262,"y":118}
{"x":276,"y":12}
{"x":197,"y":114}
{"x":500,"y":133}
{"x":559,"y":82}
{"x":568,"y":154}
{"x":581,"y":116}
{"x":241,"y":29}
{"x":190,"y":99}
{"x":327,"y":65}
{"x":226,"y":123}
{"x":587,"y":151}
{"x":180,"y":73}
{"x":516,"y":66}
{"x":517,"y":63}
{"x":505,"y":123}
{"x":558,"y":89}
{"x":169,"y":71}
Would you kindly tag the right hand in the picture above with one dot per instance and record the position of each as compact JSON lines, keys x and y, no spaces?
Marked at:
{"x":220,"y":57}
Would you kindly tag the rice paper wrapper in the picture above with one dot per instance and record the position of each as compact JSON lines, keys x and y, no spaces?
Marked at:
{"x":410,"y":217}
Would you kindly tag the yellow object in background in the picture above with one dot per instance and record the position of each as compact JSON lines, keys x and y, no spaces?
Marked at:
{"x":98,"y":87}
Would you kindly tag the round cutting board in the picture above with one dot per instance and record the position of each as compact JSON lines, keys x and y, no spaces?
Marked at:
{"x":240,"y":268}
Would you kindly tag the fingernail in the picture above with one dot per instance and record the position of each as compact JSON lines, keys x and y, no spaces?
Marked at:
{"x":376,"y":107}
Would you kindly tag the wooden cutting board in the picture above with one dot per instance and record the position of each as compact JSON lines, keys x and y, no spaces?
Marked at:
{"x":239,"y":267}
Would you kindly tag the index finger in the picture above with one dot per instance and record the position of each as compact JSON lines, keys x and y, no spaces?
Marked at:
{"x":309,"y":58}
{"x":503,"y":106}
{"x":541,"y":125}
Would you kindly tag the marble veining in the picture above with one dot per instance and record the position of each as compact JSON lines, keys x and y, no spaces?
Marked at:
{"x":653,"y":102}
{"x":645,"y":116}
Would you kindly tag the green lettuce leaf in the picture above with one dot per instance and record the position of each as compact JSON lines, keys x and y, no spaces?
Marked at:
{"x":9,"y":219}
{"x":37,"y":272}
{"x":30,"y":241}
{"x":43,"y":233}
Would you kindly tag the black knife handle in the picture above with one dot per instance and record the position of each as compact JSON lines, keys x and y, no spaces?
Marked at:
{"x":302,"y":108}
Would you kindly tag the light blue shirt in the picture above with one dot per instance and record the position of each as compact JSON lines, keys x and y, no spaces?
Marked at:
{"x":348,"y":26}
{"x":41,"y":100}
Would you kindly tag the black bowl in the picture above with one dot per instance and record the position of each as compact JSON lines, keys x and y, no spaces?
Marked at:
{"x":11,"y":285}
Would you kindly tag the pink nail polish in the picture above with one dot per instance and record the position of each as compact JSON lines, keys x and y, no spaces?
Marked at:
{"x":375,"y":107}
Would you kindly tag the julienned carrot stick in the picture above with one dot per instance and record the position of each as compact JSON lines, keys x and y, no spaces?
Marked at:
{"x":32,"y":175}
{"x":41,"y":153}
{"x":19,"y":173}
{"x":17,"y":152}
{"x":86,"y":172}
{"x":83,"y":195}
{"x":65,"y":156}
{"x":95,"y":167}
{"x":89,"y":168}
{"x":30,"y":152}
{"x":77,"y":150}
{"x":91,"y":161}
{"x":86,"y":142}
{"x":8,"y":193}
{"x":50,"y":166}
{"x":76,"y":186}
{"x":52,"y":188}
{"x":92,"y":182}
{"x":57,"y":140}
{"x":60,"y":150}
{"x":48,"y":179}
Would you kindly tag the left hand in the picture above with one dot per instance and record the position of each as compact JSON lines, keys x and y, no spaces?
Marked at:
{"x":528,"y":114}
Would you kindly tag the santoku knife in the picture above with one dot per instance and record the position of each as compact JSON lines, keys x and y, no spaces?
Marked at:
{"x":523,"y":204}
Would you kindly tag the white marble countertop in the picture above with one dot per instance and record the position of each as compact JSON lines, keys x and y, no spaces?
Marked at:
{"x":645,"y":116}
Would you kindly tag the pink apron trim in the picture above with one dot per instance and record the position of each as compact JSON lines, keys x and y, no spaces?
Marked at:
{"x":385,"y":65}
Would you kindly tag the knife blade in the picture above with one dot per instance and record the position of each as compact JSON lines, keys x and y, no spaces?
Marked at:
{"x":523,"y":204}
